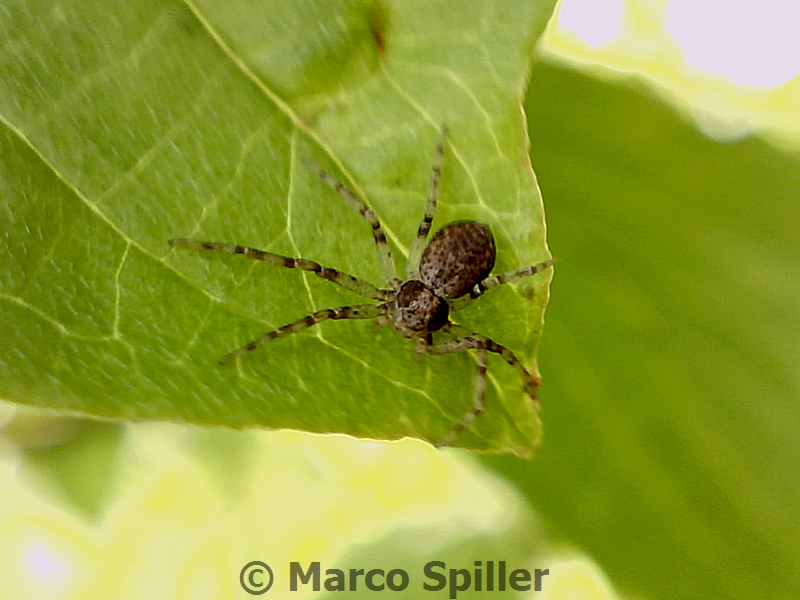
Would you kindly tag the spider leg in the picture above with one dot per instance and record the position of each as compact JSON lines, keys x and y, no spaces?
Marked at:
{"x":420,"y":347}
{"x":383,"y":321}
{"x":354,"y":284}
{"x":469,"y":340}
{"x":491,"y":282}
{"x":384,"y":253}
{"x":360,"y":311}
{"x":418,"y":244}
{"x":482,"y":359}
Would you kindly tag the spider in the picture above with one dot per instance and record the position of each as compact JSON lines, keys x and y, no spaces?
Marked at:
{"x":443,"y":276}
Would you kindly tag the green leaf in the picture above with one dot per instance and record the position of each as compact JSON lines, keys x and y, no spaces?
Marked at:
{"x":125,"y":125}
{"x":671,"y":447}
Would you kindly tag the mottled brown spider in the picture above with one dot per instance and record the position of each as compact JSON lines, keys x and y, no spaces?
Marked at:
{"x":443,"y":276}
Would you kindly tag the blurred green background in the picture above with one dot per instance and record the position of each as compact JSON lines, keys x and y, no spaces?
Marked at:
{"x":671,"y":345}
{"x":670,"y":406}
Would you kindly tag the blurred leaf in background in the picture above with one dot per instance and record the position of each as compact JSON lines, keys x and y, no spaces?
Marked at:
{"x":188,"y":507}
{"x":671,"y":348}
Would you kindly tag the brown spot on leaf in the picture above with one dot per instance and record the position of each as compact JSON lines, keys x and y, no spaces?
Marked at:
{"x":378,"y":25}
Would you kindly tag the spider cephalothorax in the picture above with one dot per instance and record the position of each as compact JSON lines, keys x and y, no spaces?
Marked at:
{"x":443,"y":276}
{"x":417,"y":310}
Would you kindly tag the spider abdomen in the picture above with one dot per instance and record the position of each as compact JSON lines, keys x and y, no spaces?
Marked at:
{"x":457,"y":258}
